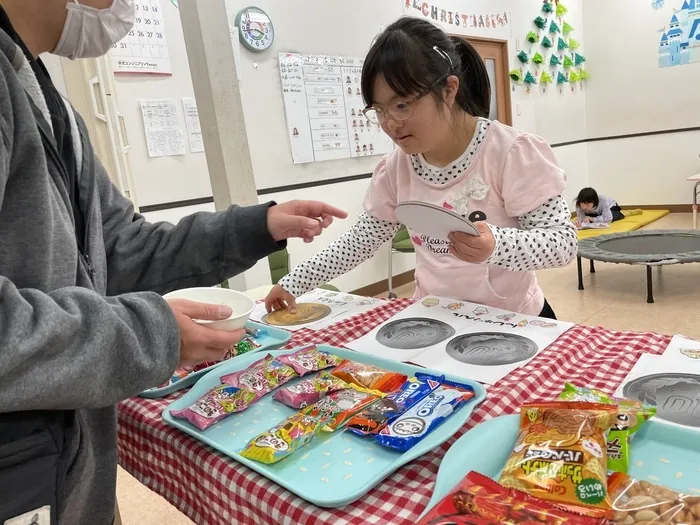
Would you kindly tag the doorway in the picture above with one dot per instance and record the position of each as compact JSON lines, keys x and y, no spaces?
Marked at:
{"x":495,"y":56}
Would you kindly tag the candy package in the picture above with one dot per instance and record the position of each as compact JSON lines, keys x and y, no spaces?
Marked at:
{"x":178,"y":375}
{"x":425,"y":416}
{"x":309,"y":360}
{"x":630,"y":418}
{"x":560,"y":455}
{"x":368,"y":376}
{"x":255,"y":333}
{"x":386,"y":410}
{"x":261,"y":377}
{"x":640,"y":502}
{"x":479,"y":500}
{"x":282,"y":440}
{"x":337,"y":408}
{"x":245,"y":345}
{"x":216,"y":405}
{"x":308,"y":391}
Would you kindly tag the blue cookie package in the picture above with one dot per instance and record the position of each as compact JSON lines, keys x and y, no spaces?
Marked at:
{"x":425,"y":416}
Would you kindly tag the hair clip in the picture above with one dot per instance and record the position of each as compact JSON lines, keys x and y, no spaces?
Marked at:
{"x":444,"y":55}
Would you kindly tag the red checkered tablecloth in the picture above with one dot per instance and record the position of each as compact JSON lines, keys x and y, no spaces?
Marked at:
{"x":212,"y":488}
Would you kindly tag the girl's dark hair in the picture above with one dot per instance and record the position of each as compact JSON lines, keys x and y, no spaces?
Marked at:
{"x":588,"y":196}
{"x":404,"y":53}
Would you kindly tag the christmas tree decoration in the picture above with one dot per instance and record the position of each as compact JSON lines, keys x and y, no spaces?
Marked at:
{"x":540,"y":22}
{"x":574,"y":77}
{"x":530,"y":78}
{"x":522,"y":56}
{"x":554,"y":61}
{"x":567,"y":28}
{"x":547,"y":7}
{"x":562,"y":45}
{"x":516,"y":75}
{"x":533,"y":37}
{"x":561,"y":9}
{"x":554,"y":28}
{"x":657,"y":4}
{"x":574,"y":44}
{"x":546,"y":43}
{"x":537,"y":58}
{"x":584,"y":75}
{"x":568,"y":63}
{"x":545,"y":78}
{"x":561,"y":79}
{"x":579,"y":59}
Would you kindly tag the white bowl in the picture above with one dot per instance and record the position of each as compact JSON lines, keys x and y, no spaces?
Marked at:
{"x":241,"y":304}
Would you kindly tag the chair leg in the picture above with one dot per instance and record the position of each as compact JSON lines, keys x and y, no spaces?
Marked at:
{"x":390,"y":278}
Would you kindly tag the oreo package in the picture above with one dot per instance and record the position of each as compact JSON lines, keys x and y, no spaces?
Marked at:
{"x":425,"y":416}
{"x":386,"y":410}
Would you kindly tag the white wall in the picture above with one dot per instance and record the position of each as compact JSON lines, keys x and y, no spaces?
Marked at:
{"x":629,"y":93}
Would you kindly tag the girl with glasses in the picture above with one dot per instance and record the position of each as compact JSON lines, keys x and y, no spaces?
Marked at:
{"x":431,"y":94}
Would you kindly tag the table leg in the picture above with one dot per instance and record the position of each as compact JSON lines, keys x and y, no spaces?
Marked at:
{"x":580,"y":273}
{"x":650,"y":291}
{"x":592,"y":266}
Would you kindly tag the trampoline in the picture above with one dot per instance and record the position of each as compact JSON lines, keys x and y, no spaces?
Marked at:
{"x":646,"y":248}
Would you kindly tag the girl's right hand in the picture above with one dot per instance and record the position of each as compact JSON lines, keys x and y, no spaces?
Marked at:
{"x":279,"y":299}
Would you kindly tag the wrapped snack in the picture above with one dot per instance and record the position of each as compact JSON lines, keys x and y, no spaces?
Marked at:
{"x":640,"y":502}
{"x":216,"y":405}
{"x":560,"y":455}
{"x":261,"y":377}
{"x":309,"y":360}
{"x":368,"y":376}
{"x":630,"y":418}
{"x":383,"y":412}
{"x":479,"y":500}
{"x":308,"y":391}
{"x":337,"y":408}
{"x":255,"y":333}
{"x":425,"y":416}
{"x":282,"y":440}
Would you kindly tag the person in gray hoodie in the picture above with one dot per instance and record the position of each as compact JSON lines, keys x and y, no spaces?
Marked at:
{"x":82,"y":321}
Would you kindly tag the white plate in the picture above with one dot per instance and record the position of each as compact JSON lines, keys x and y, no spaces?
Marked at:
{"x":432,"y":220}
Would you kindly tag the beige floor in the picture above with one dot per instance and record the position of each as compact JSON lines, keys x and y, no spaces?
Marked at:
{"x":615,"y":297}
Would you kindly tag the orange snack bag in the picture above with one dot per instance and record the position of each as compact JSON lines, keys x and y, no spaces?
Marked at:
{"x":368,"y":376}
{"x":561,"y":455}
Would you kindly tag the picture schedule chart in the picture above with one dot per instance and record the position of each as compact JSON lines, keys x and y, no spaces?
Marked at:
{"x":145,"y":48}
{"x":323,"y":105}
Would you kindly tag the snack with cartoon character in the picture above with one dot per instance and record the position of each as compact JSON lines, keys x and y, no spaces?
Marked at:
{"x":309,"y":391}
{"x":337,"y":408}
{"x":216,"y":405}
{"x":425,"y":416}
{"x":368,"y":376}
{"x":632,"y":415}
{"x":283,"y":439}
{"x":384,"y":411}
{"x":261,"y":377}
{"x":560,"y":455}
{"x":310,"y":359}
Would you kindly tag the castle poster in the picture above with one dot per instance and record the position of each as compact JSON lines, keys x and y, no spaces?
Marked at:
{"x":680,"y":40}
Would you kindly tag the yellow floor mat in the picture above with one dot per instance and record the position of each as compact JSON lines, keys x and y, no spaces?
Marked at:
{"x":627,"y":224}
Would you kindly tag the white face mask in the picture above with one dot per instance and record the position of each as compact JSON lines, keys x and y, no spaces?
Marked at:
{"x":90,"y":32}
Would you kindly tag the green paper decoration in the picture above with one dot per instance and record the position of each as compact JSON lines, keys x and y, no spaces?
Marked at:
{"x":532,"y":37}
{"x":561,"y":10}
{"x":567,"y":28}
{"x":579,"y":59}
{"x":516,"y":75}
{"x":546,"y":42}
{"x":530,"y":79}
{"x":574,"y":77}
{"x":547,"y":7}
{"x":561,"y":79}
{"x":568,"y":62}
{"x":540,"y":22}
{"x":562,"y":45}
{"x":574,"y":44}
{"x":584,"y":75}
{"x":546,"y":78}
{"x":554,"y":61}
{"x":554,"y":28}
{"x":537,"y":59}
{"x":522,"y":56}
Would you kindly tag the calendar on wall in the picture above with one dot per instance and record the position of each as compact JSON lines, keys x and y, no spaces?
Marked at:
{"x":145,"y":48}
{"x":323,"y":107}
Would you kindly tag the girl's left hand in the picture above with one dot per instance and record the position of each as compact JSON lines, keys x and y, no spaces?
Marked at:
{"x":473,"y":249}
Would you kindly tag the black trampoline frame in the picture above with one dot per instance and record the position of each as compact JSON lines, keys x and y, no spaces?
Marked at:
{"x":589,"y":249}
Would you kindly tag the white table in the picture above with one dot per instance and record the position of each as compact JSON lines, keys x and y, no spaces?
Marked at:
{"x":696,"y":191}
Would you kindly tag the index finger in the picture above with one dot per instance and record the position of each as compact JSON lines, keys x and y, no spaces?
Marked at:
{"x":319,"y":209}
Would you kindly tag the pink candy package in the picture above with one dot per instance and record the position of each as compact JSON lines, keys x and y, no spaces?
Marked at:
{"x":309,"y":359}
{"x":307,"y":391}
{"x":261,"y":377}
{"x":216,"y":405}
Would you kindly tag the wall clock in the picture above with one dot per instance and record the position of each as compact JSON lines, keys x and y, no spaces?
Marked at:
{"x":255,"y":29}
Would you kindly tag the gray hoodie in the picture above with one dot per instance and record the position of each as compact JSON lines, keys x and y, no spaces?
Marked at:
{"x":78,"y":334}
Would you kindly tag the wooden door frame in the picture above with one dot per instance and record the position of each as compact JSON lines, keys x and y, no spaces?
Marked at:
{"x":505,"y":71}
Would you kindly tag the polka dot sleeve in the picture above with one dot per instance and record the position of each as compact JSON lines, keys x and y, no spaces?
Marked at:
{"x":547,"y":239}
{"x":354,"y":247}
